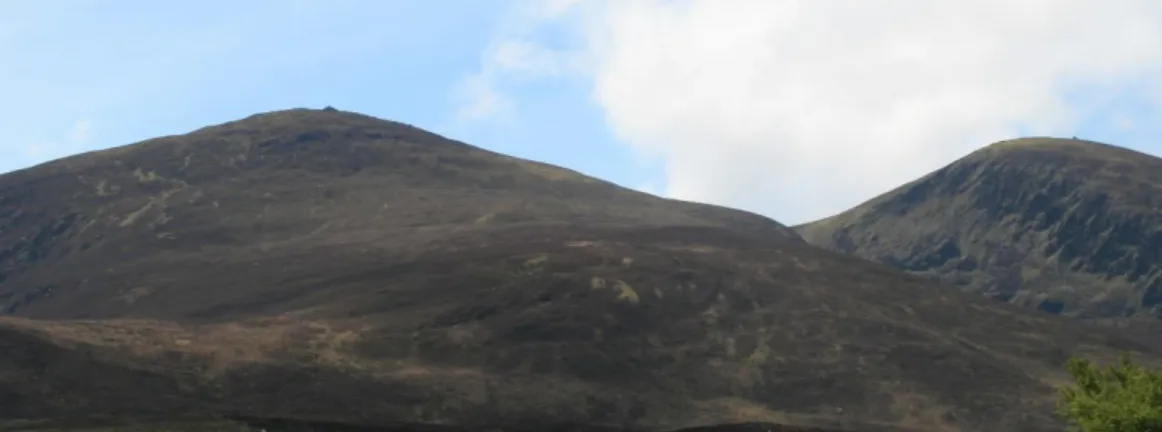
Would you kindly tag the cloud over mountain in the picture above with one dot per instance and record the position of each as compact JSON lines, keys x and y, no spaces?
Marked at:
{"x":800,"y":109}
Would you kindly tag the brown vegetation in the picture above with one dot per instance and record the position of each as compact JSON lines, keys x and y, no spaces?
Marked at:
{"x":1063,"y":226}
{"x":330,"y":266}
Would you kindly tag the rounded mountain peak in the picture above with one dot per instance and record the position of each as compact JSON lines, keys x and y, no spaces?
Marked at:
{"x":1066,"y":225}
{"x":280,"y":183}
{"x":1057,"y":150}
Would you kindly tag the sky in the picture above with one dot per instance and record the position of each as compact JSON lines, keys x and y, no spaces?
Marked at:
{"x":795,"y":109}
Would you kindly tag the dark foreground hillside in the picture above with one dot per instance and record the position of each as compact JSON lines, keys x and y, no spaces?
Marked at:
{"x":328,"y":266}
{"x":250,"y":424}
{"x":1060,"y":225}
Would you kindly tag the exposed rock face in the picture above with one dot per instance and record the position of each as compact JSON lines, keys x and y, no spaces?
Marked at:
{"x":331,"y":266}
{"x":1064,"y":226}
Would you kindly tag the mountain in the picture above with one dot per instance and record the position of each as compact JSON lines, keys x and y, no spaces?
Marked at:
{"x":328,"y":266}
{"x":1065,"y":226}
{"x":263,"y":202}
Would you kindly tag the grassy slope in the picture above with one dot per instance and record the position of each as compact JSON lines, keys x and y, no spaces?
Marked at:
{"x":333,"y":266}
{"x":1066,"y":226}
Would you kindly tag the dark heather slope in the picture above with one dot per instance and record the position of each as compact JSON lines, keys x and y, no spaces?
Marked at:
{"x":267,"y":202}
{"x":329,"y":266}
{"x":1061,"y":225}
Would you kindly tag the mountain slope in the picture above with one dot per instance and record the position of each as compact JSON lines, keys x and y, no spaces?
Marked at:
{"x":332,"y":266}
{"x":1065,"y":226}
{"x":271,"y":190}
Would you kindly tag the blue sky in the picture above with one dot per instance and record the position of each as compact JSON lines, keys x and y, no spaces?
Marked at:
{"x":85,"y":75}
{"x":793,"y":110}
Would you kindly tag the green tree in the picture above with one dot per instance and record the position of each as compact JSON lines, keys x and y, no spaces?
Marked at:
{"x":1124,"y":397}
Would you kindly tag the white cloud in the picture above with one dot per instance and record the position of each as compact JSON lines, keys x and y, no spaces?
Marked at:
{"x":1123,"y":122}
{"x":524,"y":58}
{"x":73,"y":142}
{"x":480,"y":99}
{"x":798,"y":109}
{"x":515,"y":57}
{"x":38,"y":150}
{"x":649,"y":188}
{"x":82,"y":132}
